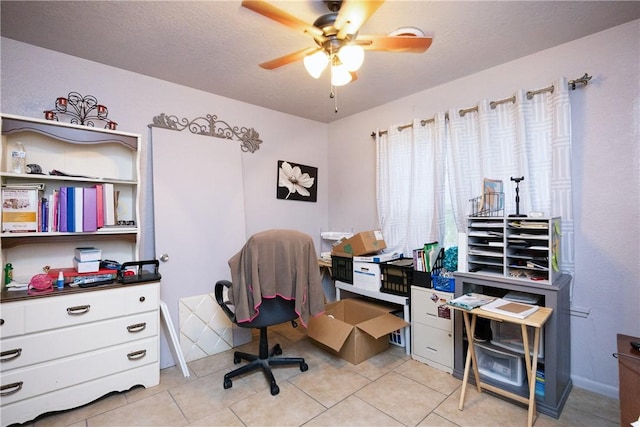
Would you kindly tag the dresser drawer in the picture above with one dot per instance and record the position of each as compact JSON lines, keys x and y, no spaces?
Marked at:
{"x":45,"y":346}
{"x":427,"y":307}
{"x":75,"y":309}
{"x":433,"y":344}
{"x":23,"y":383}
{"x":12,"y":319}
{"x":140,"y":298}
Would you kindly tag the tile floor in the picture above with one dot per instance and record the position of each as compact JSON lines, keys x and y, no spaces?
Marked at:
{"x":389,"y":389}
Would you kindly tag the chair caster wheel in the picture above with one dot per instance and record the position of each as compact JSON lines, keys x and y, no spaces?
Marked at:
{"x":236,"y":360}
{"x":303,"y":367}
{"x":227,"y":383}
{"x":274,"y":389}
{"x":277,"y":350}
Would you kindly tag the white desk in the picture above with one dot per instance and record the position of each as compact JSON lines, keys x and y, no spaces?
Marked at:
{"x":535,"y":320}
{"x":382,"y":296}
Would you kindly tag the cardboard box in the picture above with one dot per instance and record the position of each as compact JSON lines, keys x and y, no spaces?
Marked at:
{"x":354,"y":329}
{"x":363,"y":243}
{"x":366,"y":275}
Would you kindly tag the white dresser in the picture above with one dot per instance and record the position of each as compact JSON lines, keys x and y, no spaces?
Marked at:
{"x":68,"y":348}
{"x":432,"y":328}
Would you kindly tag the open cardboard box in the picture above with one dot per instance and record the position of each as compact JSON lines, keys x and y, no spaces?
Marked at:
{"x":354,"y":329}
{"x":363,"y":243}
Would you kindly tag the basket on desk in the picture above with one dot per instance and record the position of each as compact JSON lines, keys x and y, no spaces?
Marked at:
{"x":442,"y":283}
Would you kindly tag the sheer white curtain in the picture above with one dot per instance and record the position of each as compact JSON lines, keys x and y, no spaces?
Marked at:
{"x":410,"y":184}
{"x":528,"y":137}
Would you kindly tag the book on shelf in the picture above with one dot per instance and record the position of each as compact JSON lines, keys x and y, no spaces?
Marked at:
{"x":510,"y":308}
{"x":88,"y":254}
{"x":53,"y":211}
{"x":109,"y":204}
{"x":43,"y":214}
{"x":99,"y":205}
{"x":62,"y":209}
{"x":71,"y":209}
{"x":89,"y":209}
{"x":471,"y":300}
{"x":20,"y":209}
{"x":78,"y":205}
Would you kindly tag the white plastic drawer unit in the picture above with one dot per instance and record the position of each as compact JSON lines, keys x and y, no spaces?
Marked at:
{"x":500,"y":365}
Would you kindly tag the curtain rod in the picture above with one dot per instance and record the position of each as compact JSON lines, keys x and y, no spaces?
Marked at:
{"x":493,"y":104}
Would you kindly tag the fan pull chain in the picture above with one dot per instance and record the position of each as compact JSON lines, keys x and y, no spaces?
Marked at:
{"x":333,"y":91}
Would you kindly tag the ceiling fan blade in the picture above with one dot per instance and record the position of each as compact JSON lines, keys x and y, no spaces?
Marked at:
{"x":279,"y":15}
{"x":411,"y":44}
{"x":353,"y":14}
{"x":288,"y":59}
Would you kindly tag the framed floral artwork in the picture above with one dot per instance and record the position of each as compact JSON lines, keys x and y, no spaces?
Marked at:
{"x":297,"y":182}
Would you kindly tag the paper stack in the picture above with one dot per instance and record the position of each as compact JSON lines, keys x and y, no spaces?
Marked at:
{"x":510,"y":308}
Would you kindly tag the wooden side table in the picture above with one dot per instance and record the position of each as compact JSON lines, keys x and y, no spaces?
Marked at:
{"x":536,"y":321}
{"x":629,"y":375}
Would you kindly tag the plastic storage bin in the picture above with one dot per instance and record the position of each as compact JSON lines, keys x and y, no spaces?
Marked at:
{"x":397,"y":276}
{"x":509,"y":336}
{"x":342,"y":269}
{"x":445,"y":284}
{"x":500,"y":365}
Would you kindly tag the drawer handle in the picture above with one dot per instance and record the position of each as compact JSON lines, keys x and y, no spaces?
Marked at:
{"x":138,"y":327}
{"x":15,"y":386}
{"x":1,"y":322}
{"x":135,"y":355}
{"x":142,"y":299}
{"x":431,"y":314}
{"x":432,"y":349}
{"x":5,"y":356}
{"x":78,"y":310}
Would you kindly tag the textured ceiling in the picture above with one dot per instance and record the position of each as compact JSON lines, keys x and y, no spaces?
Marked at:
{"x":216,"y":46}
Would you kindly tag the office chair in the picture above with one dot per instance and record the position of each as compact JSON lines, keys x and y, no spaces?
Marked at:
{"x":276,"y":279}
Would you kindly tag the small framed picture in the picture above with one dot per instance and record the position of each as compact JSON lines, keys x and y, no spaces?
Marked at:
{"x":296,"y":182}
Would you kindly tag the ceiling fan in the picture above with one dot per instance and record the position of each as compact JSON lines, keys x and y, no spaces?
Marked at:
{"x":337,"y":40}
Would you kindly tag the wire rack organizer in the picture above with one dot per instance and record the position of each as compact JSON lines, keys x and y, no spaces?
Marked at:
{"x":489,"y":204}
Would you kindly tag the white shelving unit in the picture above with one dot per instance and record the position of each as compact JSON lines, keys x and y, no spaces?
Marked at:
{"x":69,"y":347}
{"x":345,"y":289}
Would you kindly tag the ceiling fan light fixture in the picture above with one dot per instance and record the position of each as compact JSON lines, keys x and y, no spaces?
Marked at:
{"x":352,"y":56}
{"x":340,"y":75}
{"x":316,"y":63}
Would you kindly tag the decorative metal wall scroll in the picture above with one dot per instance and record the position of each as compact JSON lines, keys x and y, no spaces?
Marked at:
{"x":82,"y":110}
{"x":211,"y":126}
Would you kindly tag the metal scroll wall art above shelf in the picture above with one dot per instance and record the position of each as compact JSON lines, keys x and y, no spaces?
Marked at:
{"x":211,"y":126}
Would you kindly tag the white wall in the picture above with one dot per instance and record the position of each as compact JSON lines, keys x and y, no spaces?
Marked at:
{"x":605,"y":117}
{"x":32,"y":78}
